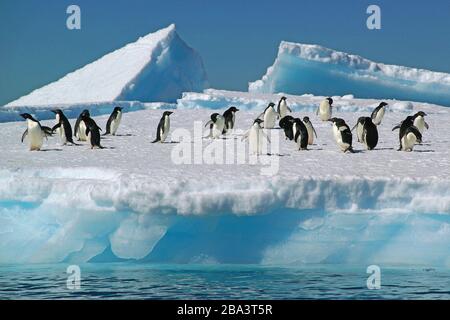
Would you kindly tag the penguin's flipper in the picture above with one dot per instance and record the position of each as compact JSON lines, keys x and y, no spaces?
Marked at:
{"x":426,"y":125}
{"x":210,"y":122}
{"x":397,"y":127}
{"x":47,"y":131}
{"x":354,"y":126}
{"x":289,"y":109}
{"x":56,"y":126}
{"x":25,"y":133}
{"x":317,"y":111}
{"x":314,"y":130}
{"x":158,"y":133}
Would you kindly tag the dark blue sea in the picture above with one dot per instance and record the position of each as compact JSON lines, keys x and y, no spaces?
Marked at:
{"x":143,"y":281}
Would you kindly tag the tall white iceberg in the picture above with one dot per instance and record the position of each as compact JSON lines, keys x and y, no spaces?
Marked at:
{"x":302,"y":68}
{"x":157,"y":67}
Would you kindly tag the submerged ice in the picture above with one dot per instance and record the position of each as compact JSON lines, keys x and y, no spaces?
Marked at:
{"x":301,"y":68}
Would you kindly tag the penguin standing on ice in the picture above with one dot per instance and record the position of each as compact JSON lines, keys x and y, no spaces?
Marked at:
{"x":419,"y":121}
{"x":163,"y":127}
{"x":216,"y":126}
{"x":378,"y":113}
{"x":64,"y":127}
{"x":301,"y":134}
{"x":92,"y":132}
{"x":230,"y":118}
{"x":311,"y":130}
{"x":283,"y":108}
{"x":256,"y":137}
{"x":35,"y":132}
{"x":324,"y":111}
{"x":114,"y":121}
{"x":342,"y":134}
{"x":359,"y":128}
{"x":287,"y":124}
{"x":408,"y":135}
{"x":270,"y":116}
{"x":80,"y":126}
{"x":367,"y":132}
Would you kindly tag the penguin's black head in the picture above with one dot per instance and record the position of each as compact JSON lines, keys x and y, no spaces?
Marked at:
{"x":26,"y":116}
{"x":56,"y":111}
{"x":383,"y":104}
{"x":233,"y":109}
{"x":214,"y":117}
{"x":283,"y":98}
{"x":116,"y":109}
{"x":271,"y":104}
{"x":420,"y":113}
{"x":334,"y":120}
{"x":85,"y":113}
{"x":330,"y":101}
{"x":305,"y":119}
{"x":167,"y":113}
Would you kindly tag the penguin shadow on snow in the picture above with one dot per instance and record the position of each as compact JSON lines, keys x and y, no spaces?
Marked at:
{"x":51,"y":149}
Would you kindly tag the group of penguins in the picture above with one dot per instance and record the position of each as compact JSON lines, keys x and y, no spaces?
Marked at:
{"x":301,"y":131}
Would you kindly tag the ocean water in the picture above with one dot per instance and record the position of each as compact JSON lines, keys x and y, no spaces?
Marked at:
{"x":143,"y":281}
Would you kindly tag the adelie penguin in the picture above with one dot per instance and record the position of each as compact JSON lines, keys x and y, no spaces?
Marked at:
{"x":163,"y":127}
{"x":35,"y":132}
{"x":269,"y":116}
{"x":283,"y":108}
{"x":367,"y":132}
{"x":301,"y":134}
{"x":256,"y":137}
{"x":409,"y":135}
{"x":311,"y":131}
{"x":80,"y":126}
{"x":419,"y":121}
{"x":287,"y":124}
{"x":114,"y":121}
{"x":324,"y":111}
{"x":230,"y":118}
{"x":378,"y":113}
{"x":92,"y":132}
{"x":216,"y":126}
{"x":342,"y":134}
{"x":63,"y":126}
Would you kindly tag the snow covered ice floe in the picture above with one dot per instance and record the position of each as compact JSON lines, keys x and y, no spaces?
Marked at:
{"x":303,"y":68}
{"x":157,"y":67}
{"x":131,"y":201}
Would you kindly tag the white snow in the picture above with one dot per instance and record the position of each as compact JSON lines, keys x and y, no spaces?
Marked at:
{"x":73,"y":201}
{"x":157,"y":67}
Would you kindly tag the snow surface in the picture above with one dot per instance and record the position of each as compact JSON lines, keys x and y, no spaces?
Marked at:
{"x":132,"y":201}
{"x":303,"y":68}
{"x":157,"y":67}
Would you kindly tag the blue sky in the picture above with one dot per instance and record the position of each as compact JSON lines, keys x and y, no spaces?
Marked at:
{"x":238,"y":40}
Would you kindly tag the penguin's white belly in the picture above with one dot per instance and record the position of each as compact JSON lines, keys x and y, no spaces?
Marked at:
{"x":419,"y":123}
{"x":359,"y":132}
{"x":283,"y":109}
{"x":270,"y":117}
{"x":310,"y":134}
{"x":379,"y":116}
{"x":338,"y":137}
{"x":115,"y":123}
{"x":35,"y":136}
{"x":325,"y":112}
{"x":82,"y":131}
{"x":164,"y":133}
{"x":408,"y":141}
{"x":218,"y":126}
{"x":255,"y":140}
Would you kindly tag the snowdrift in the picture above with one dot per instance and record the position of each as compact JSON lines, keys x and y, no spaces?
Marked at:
{"x":157,"y":67}
{"x":302,"y":68}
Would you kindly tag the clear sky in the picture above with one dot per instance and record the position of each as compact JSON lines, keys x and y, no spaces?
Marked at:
{"x":238,"y":40}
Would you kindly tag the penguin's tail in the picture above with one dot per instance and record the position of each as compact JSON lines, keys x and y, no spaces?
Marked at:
{"x":156,"y":140}
{"x":350,"y":149}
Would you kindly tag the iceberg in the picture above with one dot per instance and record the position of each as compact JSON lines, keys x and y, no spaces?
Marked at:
{"x":132,"y":202}
{"x":303,"y":68}
{"x":157,"y":67}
